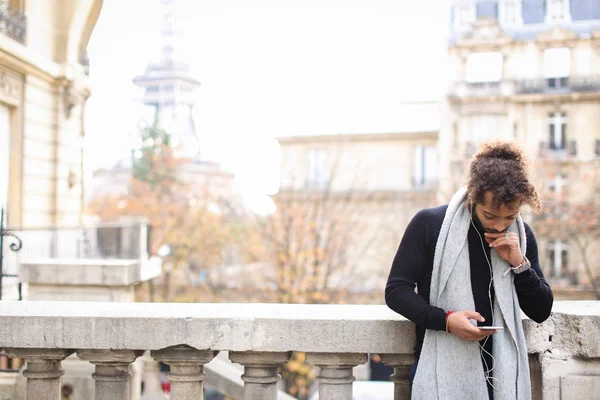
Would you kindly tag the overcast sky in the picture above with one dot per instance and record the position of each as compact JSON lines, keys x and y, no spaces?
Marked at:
{"x":269,"y":68}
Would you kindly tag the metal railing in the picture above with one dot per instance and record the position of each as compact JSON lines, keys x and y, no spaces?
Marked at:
{"x":9,"y":243}
{"x":119,"y":240}
{"x":578,"y":84}
{"x":13,"y":23}
{"x":557,"y":85}
{"x":568,"y":150}
{"x":477,"y":89}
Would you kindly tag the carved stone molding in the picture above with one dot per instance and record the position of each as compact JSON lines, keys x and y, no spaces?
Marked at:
{"x":70,"y":99}
{"x":556,"y":37}
{"x":10,"y":87}
{"x":485,"y":36}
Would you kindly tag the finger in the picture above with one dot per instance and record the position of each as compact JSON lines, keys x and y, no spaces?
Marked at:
{"x":501,"y":235}
{"x":497,"y":242}
{"x":475,"y":315}
{"x":504,"y":242}
{"x":474,"y":331}
{"x":477,"y":338}
{"x":494,"y":235}
{"x":482,"y":334}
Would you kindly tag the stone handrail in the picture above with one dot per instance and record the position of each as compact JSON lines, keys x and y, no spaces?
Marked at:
{"x":564,"y":351}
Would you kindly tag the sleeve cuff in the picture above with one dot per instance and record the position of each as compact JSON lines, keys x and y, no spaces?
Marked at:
{"x":526,"y":277}
{"x":436,"y":319}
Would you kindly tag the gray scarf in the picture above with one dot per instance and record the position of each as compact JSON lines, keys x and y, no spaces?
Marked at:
{"x":449,"y":367}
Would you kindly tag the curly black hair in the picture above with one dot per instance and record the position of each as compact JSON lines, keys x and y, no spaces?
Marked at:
{"x":501,"y":168}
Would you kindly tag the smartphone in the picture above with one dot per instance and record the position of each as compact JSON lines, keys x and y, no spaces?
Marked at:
{"x":491,"y":328}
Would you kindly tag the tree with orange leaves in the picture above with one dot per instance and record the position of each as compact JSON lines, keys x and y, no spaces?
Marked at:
{"x":182,"y":219}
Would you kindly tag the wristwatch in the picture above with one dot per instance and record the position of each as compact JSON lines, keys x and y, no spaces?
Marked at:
{"x":524,"y":266}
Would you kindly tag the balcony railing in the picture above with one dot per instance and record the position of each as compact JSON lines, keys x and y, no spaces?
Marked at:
{"x":123,"y":240}
{"x":482,"y":89}
{"x":13,"y":23}
{"x":559,"y":85}
{"x":564,"y":351}
{"x":566,"y":152}
{"x":573,"y":84}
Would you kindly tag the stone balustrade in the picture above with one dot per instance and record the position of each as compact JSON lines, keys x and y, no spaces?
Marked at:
{"x":564,"y":351}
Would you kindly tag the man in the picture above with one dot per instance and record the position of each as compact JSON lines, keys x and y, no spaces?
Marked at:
{"x":474,"y":263}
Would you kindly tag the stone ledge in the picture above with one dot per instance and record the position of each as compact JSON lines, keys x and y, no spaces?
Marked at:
{"x":573,"y":327}
{"x":84,"y":272}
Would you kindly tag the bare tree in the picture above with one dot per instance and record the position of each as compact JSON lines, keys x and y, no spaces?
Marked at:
{"x":332,"y":236}
{"x":571,"y":193}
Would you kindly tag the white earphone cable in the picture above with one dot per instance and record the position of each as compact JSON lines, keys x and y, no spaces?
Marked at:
{"x":488,"y":371}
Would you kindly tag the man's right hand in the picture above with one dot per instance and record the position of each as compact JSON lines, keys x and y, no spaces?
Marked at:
{"x":459,"y":323}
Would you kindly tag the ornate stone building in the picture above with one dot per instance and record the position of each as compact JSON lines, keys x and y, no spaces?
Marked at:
{"x":523,"y":70}
{"x":43,"y":89}
{"x":529,"y":70}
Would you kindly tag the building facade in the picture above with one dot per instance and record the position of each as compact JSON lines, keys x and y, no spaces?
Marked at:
{"x":366,"y":188}
{"x":522,"y":70}
{"x":43,"y":91}
{"x":529,"y":71}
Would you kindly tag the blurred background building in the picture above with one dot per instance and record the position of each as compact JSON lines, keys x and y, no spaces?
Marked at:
{"x":43,"y":93}
{"x":522,"y":70}
{"x":361,"y":190}
{"x":529,"y":71}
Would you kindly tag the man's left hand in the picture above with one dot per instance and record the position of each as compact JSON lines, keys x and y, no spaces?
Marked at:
{"x":507,"y":245}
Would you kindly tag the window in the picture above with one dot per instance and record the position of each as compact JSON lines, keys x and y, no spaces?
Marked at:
{"x":425,"y":166}
{"x":484,"y":67}
{"x":558,"y":11}
{"x":557,"y":83}
{"x":510,"y":12}
{"x":557,"y":187}
{"x":557,"y":122}
{"x":557,"y":67}
{"x":558,"y":257}
{"x":464,"y":15}
{"x":318,"y":169}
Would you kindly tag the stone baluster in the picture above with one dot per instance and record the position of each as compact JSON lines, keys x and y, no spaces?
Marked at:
{"x":260,"y":373}
{"x":335,"y":377}
{"x":187,"y":370}
{"x":43,"y":371}
{"x":402,"y":364}
{"x":113,"y":372}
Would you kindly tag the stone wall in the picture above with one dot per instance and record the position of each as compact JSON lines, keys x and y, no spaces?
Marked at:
{"x":564,"y":350}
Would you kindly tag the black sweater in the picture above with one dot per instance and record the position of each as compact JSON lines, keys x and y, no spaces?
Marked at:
{"x":413,"y":265}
